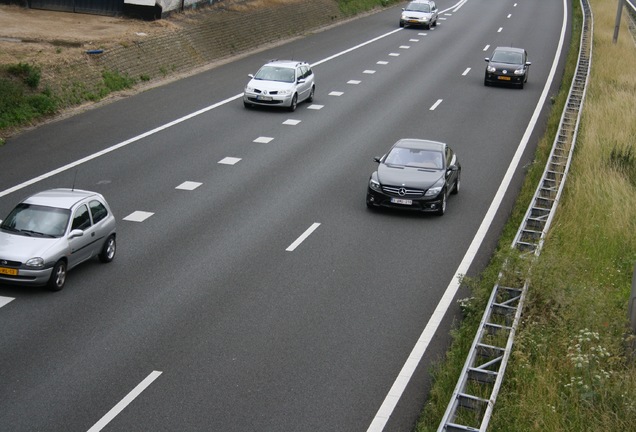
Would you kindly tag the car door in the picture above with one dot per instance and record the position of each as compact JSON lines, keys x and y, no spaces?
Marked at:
{"x":304,"y":87}
{"x":82,"y":246}
{"x":451,"y":172}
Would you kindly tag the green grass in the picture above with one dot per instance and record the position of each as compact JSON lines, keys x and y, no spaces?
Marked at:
{"x":572,"y":366}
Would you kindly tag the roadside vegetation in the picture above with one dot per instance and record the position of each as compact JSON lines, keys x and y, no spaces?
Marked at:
{"x":573,"y":366}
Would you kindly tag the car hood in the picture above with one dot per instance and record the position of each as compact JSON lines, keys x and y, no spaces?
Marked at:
{"x":269,"y":85}
{"x":508,"y":66}
{"x":416,"y":178}
{"x":21,"y":248}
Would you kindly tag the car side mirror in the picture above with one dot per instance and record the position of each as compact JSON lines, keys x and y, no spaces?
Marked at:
{"x":250,"y":75}
{"x":487,"y":59}
{"x":528,"y":63}
{"x":76,"y":233}
{"x":301,"y":80}
{"x":377,"y":159}
{"x":403,"y":9}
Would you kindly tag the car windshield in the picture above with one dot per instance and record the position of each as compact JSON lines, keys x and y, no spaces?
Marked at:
{"x":418,"y":7}
{"x":506,"y":57}
{"x":29,"y":219}
{"x":273,"y":73}
{"x":415,"y":158}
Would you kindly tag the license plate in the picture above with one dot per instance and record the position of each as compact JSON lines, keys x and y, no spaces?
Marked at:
{"x":264,"y":98}
{"x":504,"y":78}
{"x":413,"y":21}
{"x":401,"y":201}
{"x":8,"y":271}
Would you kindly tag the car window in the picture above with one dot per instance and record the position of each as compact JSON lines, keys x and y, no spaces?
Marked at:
{"x":415,"y":158}
{"x":98,"y":211}
{"x":36,"y":219}
{"x":273,"y":73}
{"x":418,"y":7}
{"x":81,"y":218}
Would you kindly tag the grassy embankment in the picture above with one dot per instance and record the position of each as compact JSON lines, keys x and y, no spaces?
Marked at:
{"x":573,"y":366}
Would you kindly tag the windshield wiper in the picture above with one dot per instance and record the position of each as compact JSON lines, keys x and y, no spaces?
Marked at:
{"x":36,"y":233}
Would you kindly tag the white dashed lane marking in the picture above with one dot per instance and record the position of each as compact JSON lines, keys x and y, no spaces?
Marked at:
{"x":394,"y":54}
{"x":291,"y":122}
{"x":435,"y":105}
{"x":263,"y":140}
{"x":466,"y":72}
{"x":5,"y":300}
{"x":303,"y":237}
{"x":336,"y":93}
{"x":229,"y":160}
{"x":315,"y":107}
{"x":369,"y":72}
{"x":486,"y":47}
{"x":138,"y":216}
{"x":354,"y":82}
{"x":189,"y":185}
{"x":382,"y":62}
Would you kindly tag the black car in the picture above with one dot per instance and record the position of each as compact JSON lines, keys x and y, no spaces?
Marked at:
{"x":415,"y":174}
{"x":507,"y":65}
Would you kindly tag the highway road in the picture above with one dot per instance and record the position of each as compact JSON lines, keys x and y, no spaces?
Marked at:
{"x":252,"y":289}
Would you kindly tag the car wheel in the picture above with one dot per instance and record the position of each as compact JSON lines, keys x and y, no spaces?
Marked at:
{"x":458,"y":183}
{"x":108,"y":250}
{"x":442,"y":208}
{"x":401,"y":24}
{"x":247,"y":105}
{"x":521,"y":85}
{"x":58,"y":276}
{"x":310,"y":99}
{"x":294,"y":103}
{"x":434,"y":23}
{"x":486,"y":83}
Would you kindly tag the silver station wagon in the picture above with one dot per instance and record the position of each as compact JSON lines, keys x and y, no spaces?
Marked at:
{"x":51,"y":232}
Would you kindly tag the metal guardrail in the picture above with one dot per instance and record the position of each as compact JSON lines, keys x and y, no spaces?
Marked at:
{"x":474,"y":397}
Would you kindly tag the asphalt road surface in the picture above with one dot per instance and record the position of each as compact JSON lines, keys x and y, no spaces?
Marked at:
{"x":252,"y":289}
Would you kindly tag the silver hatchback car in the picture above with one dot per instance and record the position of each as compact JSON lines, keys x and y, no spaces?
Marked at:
{"x":283,"y":83}
{"x":53,"y":231}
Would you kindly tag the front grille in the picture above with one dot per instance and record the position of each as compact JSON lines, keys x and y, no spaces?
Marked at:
{"x":408,"y":193}
{"x":7,"y":263}
{"x":275,"y":92}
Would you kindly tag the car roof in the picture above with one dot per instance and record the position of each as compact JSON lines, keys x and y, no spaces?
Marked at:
{"x":285,"y":63}
{"x":60,"y":198}
{"x":420,"y":144}
{"x":510,"y":49}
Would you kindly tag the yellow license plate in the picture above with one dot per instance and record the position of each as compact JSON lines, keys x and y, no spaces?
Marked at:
{"x":504,"y":78}
{"x":8,"y":271}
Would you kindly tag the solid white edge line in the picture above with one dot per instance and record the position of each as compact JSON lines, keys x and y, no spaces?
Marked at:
{"x":303,"y":236}
{"x":398,"y":387}
{"x":110,"y":415}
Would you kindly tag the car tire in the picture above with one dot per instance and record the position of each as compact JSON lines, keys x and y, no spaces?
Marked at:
{"x":294,"y":103}
{"x":434,"y":23}
{"x":458,"y":183}
{"x":401,"y":24}
{"x":442,"y":208}
{"x":310,"y":99}
{"x":58,"y":276}
{"x":108,"y":250}
{"x":521,"y":85}
{"x":247,"y":105}
{"x":486,"y":83}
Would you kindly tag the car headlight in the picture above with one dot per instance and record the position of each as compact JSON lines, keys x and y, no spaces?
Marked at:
{"x":403,"y":16}
{"x":519,"y":71}
{"x":373,"y":184}
{"x":284,"y":92}
{"x":434,"y":191}
{"x":249,"y":89}
{"x":36,"y":263}
{"x":491,"y":68}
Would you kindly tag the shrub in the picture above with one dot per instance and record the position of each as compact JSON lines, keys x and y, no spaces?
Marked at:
{"x":29,"y":74}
